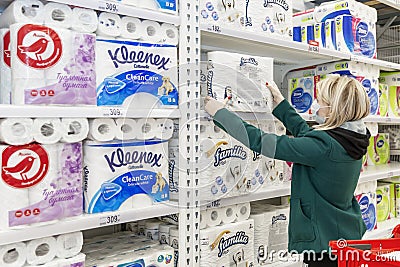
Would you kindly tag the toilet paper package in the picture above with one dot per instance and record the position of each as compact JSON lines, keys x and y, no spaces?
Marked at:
{"x":242,"y":95}
{"x":33,"y":254}
{"x":307,"y":33}
{"x":270,"y":17}
{"x":333,"y":9}
{"x":125,"y":175}
{"x":5,"y":67}
{"x":379,"y":149}
{"x":395,"y":195}
{"x":140,"y":75}
{"x":302,"y":88}
{"x":384,"y":199}
{"x":330,"y":34}
{"x":45,"y":179}
{"x":319,"y":34}
{"x":383,"y":100}
{"x":52,"y":65}
{"x":355,"y":36}
{"x":392,"y":79}
{"x":228,"y":245}
{"x":216,"y":15}
{"x":22,"y":11}
{"x":167,"y":6}
{"x":13,"y":255}
{"x":367,"y":202}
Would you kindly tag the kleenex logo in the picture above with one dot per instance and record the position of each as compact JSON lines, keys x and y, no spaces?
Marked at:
{"x":123,"y":56}
{"x":121,"y":158}
{"x":281,"y":3}
{"x":235,"y":152}
{"x":240,"y":238}
{"x":250,"y":60}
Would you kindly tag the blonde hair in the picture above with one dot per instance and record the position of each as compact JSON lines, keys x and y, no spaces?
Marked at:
{"x":346,"y":98}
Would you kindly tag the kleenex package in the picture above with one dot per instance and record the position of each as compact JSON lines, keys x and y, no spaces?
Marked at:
{"x":134,"y":74}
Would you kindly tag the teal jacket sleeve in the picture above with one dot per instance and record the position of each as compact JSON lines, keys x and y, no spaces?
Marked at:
{"x":306,"y":150}
{"x":291,"y":119}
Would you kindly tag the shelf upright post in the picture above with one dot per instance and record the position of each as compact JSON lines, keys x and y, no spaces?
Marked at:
{"x":189,"y":134}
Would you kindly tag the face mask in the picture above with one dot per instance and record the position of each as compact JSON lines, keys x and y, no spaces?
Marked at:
{"x":315,"y":107}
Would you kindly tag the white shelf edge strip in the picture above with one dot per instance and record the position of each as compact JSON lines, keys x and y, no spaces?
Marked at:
{"x":373,"y":173}
{"x":381,"y":63}
{"x":84,"y":222}
{"x":10,"y":111}
{"x":371,"y":118}
{"x":390,"y":3}
{"x":124,"y":10}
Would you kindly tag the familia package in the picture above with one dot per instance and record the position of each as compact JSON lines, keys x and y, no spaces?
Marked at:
{"x":42,"y":183}
{"x":125,"y":175}
{"x":135,"y":74}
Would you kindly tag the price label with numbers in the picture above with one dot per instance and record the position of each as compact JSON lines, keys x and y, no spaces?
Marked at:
{"x":214,"y":204}
{"x":110,"y":219}
{"x":313,"y":48}
{"x":214,"y":28}
{"x":114,"y":112}
{"x":109,"y":6}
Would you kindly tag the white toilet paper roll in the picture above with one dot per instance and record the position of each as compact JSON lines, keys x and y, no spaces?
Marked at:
{"x":102,"y":129}
{"x":174,"y":237}
{"x":84,"y":20}
{"x":42,"y":250}
{"x":22,"y":11}
{"x":131,"y":28}
{"x":243,"y":211}
{"x":13,"y":255}
{"x":147,"y":129}
{"x":152,"y":31}
{"x":16,"y":131}
{"x":163,"y":233}
{"x":126,"y":129}
{"x":109,"y":25}
{"x":141,"y":227}
{"x":74,"y":129}
{"x":69,"y":245}
{"x":151,"y":230}
{"x":214,"y":217}
{"x":228,"y":214}
{"x":169,"y":33}
{"x":58,"y":15}
{"x":47,"y":131}
{"x":165,"y":129}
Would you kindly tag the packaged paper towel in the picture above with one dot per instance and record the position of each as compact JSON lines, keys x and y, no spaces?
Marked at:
{"x":367,"y":202}
{"x":245,"y":89}
{"x":125,"y":175}
{"x":379,"y":149}
{"x":52,"y":65}
{"x":302,"y":88}
{"x":228,"y":245}
{"x":383,"y":100}
{"x":220,"y":14}
{"x":134,"y":74}
{"x":395,"y":195}
{"x":270,"y":17}
{"x":392,"y":79}
{"x":5,"y":67}
{"x":42,"y":182}
{"x":384,"y":201}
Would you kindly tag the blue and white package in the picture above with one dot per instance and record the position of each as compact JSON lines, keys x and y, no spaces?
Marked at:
{"x":355,"y":36}
{"x":307,"y":33}
{"x":168,"y":6}
{"x":135,"y":74}
{"x":333,"y":9}
{"x":330,"y":34}
{"x":319,"y":33}
{"x":125,"y":175}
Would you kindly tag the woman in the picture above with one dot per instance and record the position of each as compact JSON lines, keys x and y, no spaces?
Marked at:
{"x":327,"y":162}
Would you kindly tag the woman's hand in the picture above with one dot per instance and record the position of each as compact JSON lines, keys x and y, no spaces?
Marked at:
{"x":276,"y":93}
{"x":212,"y":106}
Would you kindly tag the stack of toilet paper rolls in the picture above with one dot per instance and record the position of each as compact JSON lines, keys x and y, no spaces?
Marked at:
{"x":390,"y":84}
{"x":62,"y":250}
{"x":365,"y":194}
{"x":126,"y":248}
{"x":212,"y":217}
{"x":271,"y":18}
{"x":22,"y":131}
{"x":43,"y":183}
{"x":270,"y":231}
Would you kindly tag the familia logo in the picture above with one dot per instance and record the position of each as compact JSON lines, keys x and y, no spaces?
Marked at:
{"x":250,"y":60}
{"x":122,"y":56}
{"x":281,"y":3}
{"x":121,"y":158}
{"x":224,"y":243}
{"x":24,"y":166}
{"x":38,"y":46}
{"x":235,"y":152}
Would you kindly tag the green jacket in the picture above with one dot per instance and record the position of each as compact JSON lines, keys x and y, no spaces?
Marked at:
{"x":322,"y":205}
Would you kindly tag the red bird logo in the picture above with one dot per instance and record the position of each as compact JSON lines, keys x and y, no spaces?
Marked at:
{"x":21,"y":168}
{"x":37,"y":48}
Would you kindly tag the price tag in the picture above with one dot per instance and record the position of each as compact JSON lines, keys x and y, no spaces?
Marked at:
{"x":114,"y":112}
{"x":388,"y":119}
{"x":108,"y":6}
{"x":214,"y":204}
{"x":390,"y":174}
{"x":313,"y":48}
{"x":215,"y":28}
{"x":110,"y":219}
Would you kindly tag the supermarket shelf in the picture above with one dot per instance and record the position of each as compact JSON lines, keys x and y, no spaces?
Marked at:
{"x":372,"y":118}
{"x":114,"y":7}
{"x":373,"y":173}
{"x":384,"y":229}
{"x":283,"y":51}
{"x":384,"y":65}
{"x":86,"y":221}
{"x":272,"y":192}
{"x":391,"y":3}
{"x":10,"y":111}
{"x":247,"y":116}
